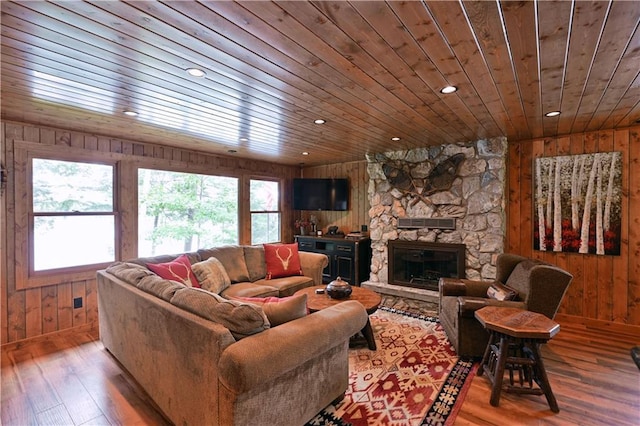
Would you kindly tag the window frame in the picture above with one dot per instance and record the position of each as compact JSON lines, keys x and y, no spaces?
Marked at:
{"x":278,"y":211}
{"x":26,"y":276}
{"x":141,"y":164}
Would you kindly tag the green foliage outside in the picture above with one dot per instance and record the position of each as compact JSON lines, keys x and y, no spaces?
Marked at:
{"x":181,"y":212}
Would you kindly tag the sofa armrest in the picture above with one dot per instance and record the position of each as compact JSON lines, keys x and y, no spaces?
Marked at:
{"x":312,"y":265}
{"x":265,"y":356}
{"x":468,"y":305}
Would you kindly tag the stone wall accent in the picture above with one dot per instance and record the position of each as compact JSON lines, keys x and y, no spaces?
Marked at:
{"x":476,"y":199}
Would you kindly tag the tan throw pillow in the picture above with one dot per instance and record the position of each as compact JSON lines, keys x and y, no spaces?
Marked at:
{"x":242,"y":319}
{"x":500,"y":291}
{"x":280,"y":309}
{"x":211,"y":275}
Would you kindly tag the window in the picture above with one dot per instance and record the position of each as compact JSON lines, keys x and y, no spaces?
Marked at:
{"x":72,"y":213}
{"x":265,"y":213}
{"x":182,"y":212}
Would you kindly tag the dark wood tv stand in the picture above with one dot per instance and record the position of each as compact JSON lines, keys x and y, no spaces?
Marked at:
{"x":349,"y":258}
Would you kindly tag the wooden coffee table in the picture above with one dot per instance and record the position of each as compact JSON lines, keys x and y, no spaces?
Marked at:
{"x":367,"y":298}
{"x":514,"y":343}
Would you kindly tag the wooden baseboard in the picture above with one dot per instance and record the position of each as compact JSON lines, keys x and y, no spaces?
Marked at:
{"x":85,"y":328}
{"x":616,"y":327}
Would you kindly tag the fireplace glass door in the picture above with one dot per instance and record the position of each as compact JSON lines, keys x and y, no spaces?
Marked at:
{"x":421,"y":265}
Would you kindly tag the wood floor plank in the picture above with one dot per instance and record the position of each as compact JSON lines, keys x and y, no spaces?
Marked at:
{"x":55,"y":416}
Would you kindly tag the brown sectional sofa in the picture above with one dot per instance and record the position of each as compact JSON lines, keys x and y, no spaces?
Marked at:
{"x":194,"y":369}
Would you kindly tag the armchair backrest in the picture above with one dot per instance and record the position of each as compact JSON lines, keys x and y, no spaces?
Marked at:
{"x":540,"y":285}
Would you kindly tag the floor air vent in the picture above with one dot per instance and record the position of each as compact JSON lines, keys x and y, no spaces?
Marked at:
{"x":427,"y":222}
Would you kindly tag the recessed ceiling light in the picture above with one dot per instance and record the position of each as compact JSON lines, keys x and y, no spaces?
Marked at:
{"x":319,"y":121}
{"x":196,"y":72}
{"x":395,"y":138}
{"x":305,"y":153}
{"x":244,"y":140}
{"x":552,"y":114}
{"x":448,"y":89}
{"x":130,"y":113}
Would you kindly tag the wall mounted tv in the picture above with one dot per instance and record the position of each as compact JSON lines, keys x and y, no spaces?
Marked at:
{"x":320,"y":194}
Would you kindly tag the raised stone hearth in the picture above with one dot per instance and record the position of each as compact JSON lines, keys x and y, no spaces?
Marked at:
{"x":464,"y":182}
{"x":402,"y":291}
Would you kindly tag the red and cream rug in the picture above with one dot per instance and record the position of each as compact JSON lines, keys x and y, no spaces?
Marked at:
{"x":413,"y":378}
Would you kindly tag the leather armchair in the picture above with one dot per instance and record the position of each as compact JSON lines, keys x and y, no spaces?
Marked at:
{"x":540,"y":288}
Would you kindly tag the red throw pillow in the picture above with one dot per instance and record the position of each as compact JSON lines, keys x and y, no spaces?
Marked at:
{"x":282,"y":260}
{"x":176,"y":270}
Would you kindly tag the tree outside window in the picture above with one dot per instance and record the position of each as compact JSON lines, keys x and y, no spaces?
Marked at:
{"x":182,"y":212}
{"x":265,"y":213}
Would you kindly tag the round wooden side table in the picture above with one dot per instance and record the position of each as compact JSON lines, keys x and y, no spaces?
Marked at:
{"x":367,"y":298}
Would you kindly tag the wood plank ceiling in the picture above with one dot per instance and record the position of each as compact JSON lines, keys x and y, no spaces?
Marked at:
{"x":372,"y":69}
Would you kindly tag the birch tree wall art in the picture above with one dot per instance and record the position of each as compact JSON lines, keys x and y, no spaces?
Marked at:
{"x":578,"y":203}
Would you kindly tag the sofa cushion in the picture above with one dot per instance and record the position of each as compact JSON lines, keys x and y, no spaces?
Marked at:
{"x":211,"y":275}
{"x":254,"y":258}
{"x":232,"y":258}
{"x":242,"y":319}
{"x":131,"y":273}
{"x":159,"y":287}
{"x":287,"y":286}
{"x":282,"y":260}
{"x":280,"y":309}
{"x":176,"y":270}
{"x":260,"y":288}
{"x":499,"y":291}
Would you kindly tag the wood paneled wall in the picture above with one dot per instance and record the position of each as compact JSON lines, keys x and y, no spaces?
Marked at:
{"x":604,"y":288}
{"x":49,"y":308}
{"x":358,"y":213}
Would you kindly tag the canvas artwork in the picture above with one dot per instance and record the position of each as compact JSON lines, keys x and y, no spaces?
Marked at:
{"x":577,"y":203}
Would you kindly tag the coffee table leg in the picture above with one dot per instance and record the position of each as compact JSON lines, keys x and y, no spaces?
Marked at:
{"x":367,"y":332}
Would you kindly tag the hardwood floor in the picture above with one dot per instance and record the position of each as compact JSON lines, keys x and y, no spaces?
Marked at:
{"x":69,"y":379}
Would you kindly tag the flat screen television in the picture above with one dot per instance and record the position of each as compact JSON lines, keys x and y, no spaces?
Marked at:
{"x":320,"y":194}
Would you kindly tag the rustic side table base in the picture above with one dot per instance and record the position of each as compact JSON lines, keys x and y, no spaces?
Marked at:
{"x":514,"y":345}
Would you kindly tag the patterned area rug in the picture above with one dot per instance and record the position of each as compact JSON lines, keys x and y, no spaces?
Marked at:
{"x":413,"y":378}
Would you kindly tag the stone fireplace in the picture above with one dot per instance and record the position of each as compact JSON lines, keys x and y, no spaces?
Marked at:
{"x":420,"y":264}
{"x":463,"y":184}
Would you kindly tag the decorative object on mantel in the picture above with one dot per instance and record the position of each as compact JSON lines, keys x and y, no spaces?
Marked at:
{"x":441,"y":177}
{"x":313,"y":220}
{"x":301,"y":225}
{"x":578,"y":203}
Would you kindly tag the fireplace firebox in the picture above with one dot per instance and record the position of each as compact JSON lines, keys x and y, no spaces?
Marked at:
{"x":421,"y":264}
